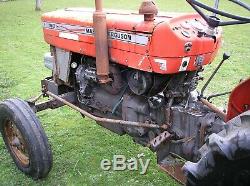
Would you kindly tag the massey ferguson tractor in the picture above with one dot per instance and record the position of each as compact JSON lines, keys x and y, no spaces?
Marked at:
{"x":137,"y":74}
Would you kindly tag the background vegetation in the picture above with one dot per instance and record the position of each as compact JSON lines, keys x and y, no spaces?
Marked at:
{"x":79,"y":145}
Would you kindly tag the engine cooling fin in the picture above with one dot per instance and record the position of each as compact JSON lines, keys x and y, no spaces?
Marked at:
{"x":225,"y":158}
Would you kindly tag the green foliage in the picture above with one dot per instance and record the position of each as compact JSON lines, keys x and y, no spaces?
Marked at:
{"x":5,"y":84}
{"x":79,"y":144}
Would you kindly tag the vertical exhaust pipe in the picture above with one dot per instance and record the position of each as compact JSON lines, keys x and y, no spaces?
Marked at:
{"x":101,"y":43}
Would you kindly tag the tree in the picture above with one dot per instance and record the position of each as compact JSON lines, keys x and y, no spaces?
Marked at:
{"x":38,"y":5}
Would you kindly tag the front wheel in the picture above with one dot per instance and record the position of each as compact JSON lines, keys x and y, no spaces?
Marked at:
{"x":25,"y":138}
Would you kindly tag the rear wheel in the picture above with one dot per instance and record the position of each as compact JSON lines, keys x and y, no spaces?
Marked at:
{"x":225,"y":158}
{"x":25,"y":138}
{"x":225,"y":173}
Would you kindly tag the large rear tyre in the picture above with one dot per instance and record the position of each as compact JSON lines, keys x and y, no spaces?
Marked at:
{"x":225,"y":173}
{"x":25,"y":138}
{"x":225,"y":159}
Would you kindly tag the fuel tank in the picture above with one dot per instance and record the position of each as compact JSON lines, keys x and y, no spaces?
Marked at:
{"x":170,"y":44}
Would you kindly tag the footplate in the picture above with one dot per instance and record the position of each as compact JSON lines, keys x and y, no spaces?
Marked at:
{"x":172,"y":167}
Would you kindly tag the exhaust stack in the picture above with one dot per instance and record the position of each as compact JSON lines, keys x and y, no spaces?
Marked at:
{"x":101,"y":43}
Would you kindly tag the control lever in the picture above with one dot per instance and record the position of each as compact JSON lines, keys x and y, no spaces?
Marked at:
{"x":225,"y":57}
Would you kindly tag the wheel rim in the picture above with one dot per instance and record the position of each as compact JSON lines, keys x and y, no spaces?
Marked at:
{"x":16,"y":143}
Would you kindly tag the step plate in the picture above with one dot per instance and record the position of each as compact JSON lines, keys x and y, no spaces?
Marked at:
{"x":174,"y":170}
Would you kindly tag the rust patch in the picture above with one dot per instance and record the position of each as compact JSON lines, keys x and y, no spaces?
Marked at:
{"x":174,"y":170}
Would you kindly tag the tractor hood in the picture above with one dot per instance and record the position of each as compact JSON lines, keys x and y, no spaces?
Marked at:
{"x":122,"y":20}
{"x":134,"y":42}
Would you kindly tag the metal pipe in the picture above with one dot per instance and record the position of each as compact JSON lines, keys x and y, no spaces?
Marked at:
{"x":98,"y":5}
{"x":214,"y":108}
{"x":101,"y":43}
{"x":99,"y":119}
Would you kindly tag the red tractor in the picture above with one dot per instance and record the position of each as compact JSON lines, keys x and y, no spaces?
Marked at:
{"x":137,"y":74}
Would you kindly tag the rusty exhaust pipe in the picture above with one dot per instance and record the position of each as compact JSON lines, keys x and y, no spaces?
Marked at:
{"x":101,"y":43}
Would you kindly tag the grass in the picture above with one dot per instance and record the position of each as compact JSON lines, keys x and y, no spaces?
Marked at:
{"x":79,"y":145}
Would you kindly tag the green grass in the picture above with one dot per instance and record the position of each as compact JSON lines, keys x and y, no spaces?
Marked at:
{"x":79,"y":145}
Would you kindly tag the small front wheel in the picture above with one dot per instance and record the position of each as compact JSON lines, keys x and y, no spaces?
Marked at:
{"x":25,"y":138}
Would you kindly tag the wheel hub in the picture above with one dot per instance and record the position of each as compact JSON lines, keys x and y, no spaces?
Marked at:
{"x":16,"y":142}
